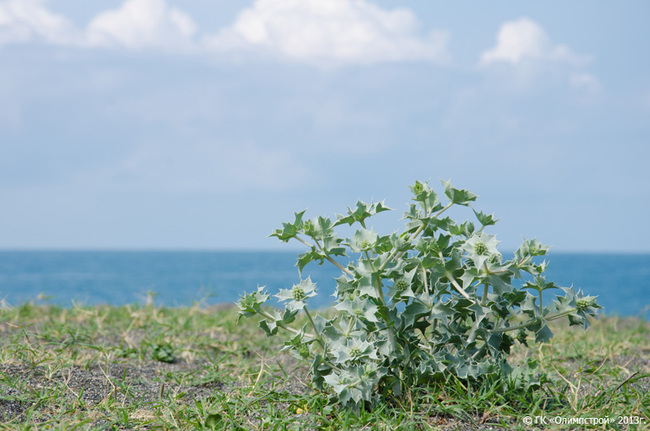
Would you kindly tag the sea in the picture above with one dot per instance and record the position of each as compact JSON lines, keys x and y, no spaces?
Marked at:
{"x":185,"y":278}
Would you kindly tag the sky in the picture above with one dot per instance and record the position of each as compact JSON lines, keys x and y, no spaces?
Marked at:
{"x":195,"y":124}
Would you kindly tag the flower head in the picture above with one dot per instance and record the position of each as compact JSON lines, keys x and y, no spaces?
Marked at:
{"x":480,"y":247}
{"x":298,"y":294}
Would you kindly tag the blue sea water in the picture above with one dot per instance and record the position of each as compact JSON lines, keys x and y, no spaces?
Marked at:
{"x":621,"y":281}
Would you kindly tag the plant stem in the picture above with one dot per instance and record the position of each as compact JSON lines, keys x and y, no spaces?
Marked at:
{"x":562,"y":314}
{"x":305,"y":334}
{"x":457,"y":286}
{"x":486,"y":286}
{"x":338,"y":265}
{"x":313,"y":325}
{"x":485,"y":294}
{"x":424,"y":279}
{"x":351,"y":322}
{"x":449,"y":205}
{"x":383,"y":309}
{"x":514,"y":328}
{"x":533,"y":321}
{"x":283,"y":326}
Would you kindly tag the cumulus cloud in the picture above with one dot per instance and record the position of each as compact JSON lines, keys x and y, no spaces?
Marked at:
{"x":25,"y":20}
{"x":140,"y":24}
{"x":339,"y":31}
{"x":530,"y":59}
{"x":523,"y":40}
{"x":135,"y":24}
{"x":311,"y":31}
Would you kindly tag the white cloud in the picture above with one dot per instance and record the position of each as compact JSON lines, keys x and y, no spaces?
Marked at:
{"x":140,"y":24}
{"x":312,"y":31}
{"x":135,"y":24}
{"x":339,"y":31}
{"x":523,"y":40}
{"x":525,"y":58}
{"x":24,"y":20}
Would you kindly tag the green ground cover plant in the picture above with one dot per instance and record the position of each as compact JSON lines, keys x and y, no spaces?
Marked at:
{"x":93,"y":368}
{"x":416,"y":307}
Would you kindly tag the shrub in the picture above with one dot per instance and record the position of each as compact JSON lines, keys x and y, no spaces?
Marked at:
{"x":436,"y":300}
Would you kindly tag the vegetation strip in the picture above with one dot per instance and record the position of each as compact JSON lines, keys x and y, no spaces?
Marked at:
{"x":151,"y":367}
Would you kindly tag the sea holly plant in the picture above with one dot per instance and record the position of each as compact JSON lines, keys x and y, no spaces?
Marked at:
{"x":412,"y":308}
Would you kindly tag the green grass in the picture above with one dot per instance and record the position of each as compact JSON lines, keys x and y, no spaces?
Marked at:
{"x":151,"y":367}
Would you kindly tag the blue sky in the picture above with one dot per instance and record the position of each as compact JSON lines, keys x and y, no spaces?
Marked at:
{"x":164,"y":124}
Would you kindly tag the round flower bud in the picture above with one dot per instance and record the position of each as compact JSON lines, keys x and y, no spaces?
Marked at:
{"x":297,"y":293}
{"x":480,"y":248}
{"x":402,"y":284}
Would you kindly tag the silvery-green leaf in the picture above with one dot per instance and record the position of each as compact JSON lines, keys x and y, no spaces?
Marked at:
{"x":284,"y":295}
{"x":288,"y":317}
{"x":249,"y":304}
{"x":441,"y":310}
{"x":366,"y":288}
{"x":319,"y":228}
{"x":321,"y":323}
{"x":515,"y":297}
{"x":269,"y":326}
{"x":413,"y":312}
{"x":363,"y":240}
{"x":361,"y":212}
{"x":332,"y":246}
{"x":390,"y":265}
{"x":422,"y":192}
{"x":543,"y":334}
{"x":529,"y":306}
{"x":343,"y":286}
{"x":470,"y":275}
{"x":500,"y":284}
{"x":360,"y":308}
{"x":457,"y":196}
{"x":531,"y":248}
{"x":484,"y":219}
{"x":290,"y":230}
{"x":336,"y":381}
